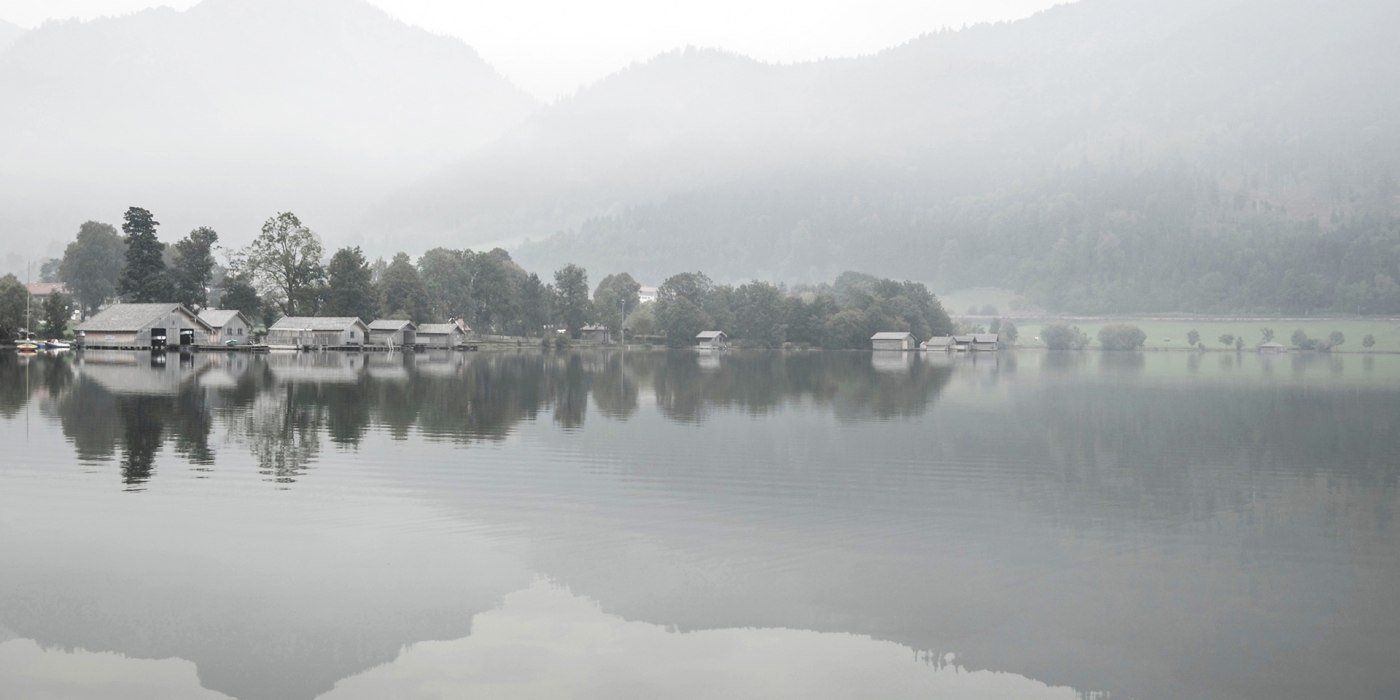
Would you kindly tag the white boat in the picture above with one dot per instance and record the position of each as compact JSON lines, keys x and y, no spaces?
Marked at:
{"x":52,"y":344}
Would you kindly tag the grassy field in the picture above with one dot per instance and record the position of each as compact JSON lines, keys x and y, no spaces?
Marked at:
{"x":1171,"y":333}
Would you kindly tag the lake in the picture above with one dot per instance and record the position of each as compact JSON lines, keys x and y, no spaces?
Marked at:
{"x":653,"y":524}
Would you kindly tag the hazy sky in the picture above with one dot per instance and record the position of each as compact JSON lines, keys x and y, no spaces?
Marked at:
{"x":550,"y":47}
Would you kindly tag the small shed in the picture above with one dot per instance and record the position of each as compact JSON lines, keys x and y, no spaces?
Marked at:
{"x":984,"y":342}
{"x":443,"y":335}
{"x":394,"y":333}
{"x":713,"y":340}
{"x":1272,"y":348}
{"x":892,"y":340}
{"x":318,"y":331}
{"x":938,"y":343}
{"x":153,"y":326}
{"x":227,"y":325}
{"x":596,"y":333}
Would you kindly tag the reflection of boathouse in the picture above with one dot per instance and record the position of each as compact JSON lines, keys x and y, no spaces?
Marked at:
{"x":900,"y":362}
{"x":137,"y":374}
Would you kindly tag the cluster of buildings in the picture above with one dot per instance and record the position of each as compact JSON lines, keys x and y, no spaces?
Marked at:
{"x":906,"y":342}
{"x":165,"y":325}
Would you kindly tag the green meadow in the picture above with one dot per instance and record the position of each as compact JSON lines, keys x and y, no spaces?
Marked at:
{"x":1171,"y":333}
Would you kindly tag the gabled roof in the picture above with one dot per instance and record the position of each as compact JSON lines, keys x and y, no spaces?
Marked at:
{"x":132,"y":317}
{"x":984,"y":337}
{"x":315,"y":323}
{"x":391,"y":324}
{"x":43,"y":289}
{"x":439,"y":329}
{"x":710,"y":335}
{"x":892,"y":335}
{"x":962,"y":339}
{"x":218,"y":318}
{"x":939,"y":340}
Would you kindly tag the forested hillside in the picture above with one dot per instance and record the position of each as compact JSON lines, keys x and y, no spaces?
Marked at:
{"x":1109,"y":155}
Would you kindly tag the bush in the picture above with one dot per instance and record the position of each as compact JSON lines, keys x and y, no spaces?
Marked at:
{"x":1122,"y":336}
{"x":1369,"y":341}
{"x":1058,"y":336}
{"x":1302,"y":341}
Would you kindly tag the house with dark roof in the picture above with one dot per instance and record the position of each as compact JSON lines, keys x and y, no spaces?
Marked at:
{"x":317,"y":331}
{"x":155,"y":326}
{"x":394,"y":333}
{"x":229,"y":326}
{"x":443,"y":335}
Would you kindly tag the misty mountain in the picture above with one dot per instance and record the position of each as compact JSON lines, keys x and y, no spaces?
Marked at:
{"x":232,"y":110}
{"x":8,"y":34}
{"x":1104,"y":155}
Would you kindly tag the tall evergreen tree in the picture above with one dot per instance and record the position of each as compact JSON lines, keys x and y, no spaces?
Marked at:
{"x":401,"y":290}
{"x":144,"y":279}
{"x":240,"y":294}
{"x":58,"y":310}
{"x":535,"y":305}
{"x":571,"y":291}
{"x":351,"y":290}
{"x":192,"y":267}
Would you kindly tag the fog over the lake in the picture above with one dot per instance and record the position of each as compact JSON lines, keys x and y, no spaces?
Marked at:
{"x":1081,"y":155}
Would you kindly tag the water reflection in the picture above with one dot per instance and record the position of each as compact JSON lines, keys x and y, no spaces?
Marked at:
{"x":280,"y":407}
{"x":1076,"y":520}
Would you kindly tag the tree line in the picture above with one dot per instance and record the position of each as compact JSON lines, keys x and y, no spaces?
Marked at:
{"x":285,"y":272}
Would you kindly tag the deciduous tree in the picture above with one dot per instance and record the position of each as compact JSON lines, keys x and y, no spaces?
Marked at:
{"x":92,"y":265}
{"x":284,"y":262}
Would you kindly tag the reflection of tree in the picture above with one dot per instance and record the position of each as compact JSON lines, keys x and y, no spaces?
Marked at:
{"x":16,"y":382}
{"x":758,"y":382}
{"x":614,"y":387}
{"x":282,"y":433}
{"x":143,"y":420}
{"x":90,"y":420}
{"x":570,"y":391}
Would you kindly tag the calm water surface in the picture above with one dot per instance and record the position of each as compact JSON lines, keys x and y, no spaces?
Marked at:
{"x":657,"y":524}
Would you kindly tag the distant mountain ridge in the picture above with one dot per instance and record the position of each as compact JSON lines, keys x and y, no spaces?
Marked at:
{"x":9,"y":33}
{"x":229,"y":111}
{"x":1080,"y":155}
